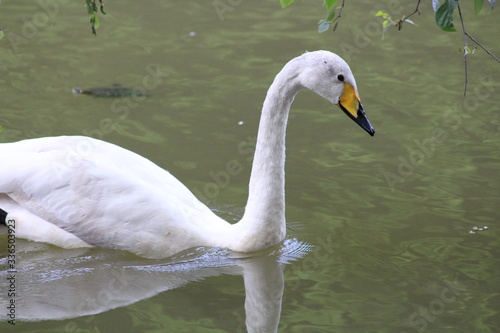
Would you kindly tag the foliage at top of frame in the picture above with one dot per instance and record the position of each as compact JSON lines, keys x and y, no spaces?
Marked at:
{"x":443,"y":14}
{"x":93,"y":10}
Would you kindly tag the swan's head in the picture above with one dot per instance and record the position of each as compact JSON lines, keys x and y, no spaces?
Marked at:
{"x":329,"y":76}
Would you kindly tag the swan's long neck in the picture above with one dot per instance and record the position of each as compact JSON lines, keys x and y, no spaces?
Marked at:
{"x":265,"y":210}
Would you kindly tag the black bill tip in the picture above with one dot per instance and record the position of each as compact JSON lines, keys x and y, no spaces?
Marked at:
{"x":360,"y":119}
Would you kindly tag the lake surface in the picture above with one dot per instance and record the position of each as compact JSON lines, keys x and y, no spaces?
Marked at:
{"x":395,"y":233}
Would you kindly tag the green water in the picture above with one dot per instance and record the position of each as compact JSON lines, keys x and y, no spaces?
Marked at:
{"x":381,"y":230}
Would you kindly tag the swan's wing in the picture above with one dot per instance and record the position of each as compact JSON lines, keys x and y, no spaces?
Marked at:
{"x":32,"y":227}
{"x":99,"y":192}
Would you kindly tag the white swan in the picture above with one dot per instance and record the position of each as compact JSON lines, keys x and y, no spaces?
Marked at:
{"x":79,"y":191}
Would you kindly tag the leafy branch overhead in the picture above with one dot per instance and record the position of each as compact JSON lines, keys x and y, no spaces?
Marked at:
{"x":93,"y":10}
{"x":443,"y":14}
{"x":331,"y":20}
{"x":324,"y":25}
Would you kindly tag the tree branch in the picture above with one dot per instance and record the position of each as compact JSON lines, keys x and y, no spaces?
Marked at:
{"x":481,"y":46}
{"x":340,"y":11}
{"x":467,"y":50}
{"x":399,"y":23}
{"x":414,"y":12}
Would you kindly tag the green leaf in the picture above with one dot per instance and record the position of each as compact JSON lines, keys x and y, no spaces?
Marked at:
{"x":331,"y":15}
{"x":478,"y":5}
{"x":382,"y":14}
{"x":96,"y":22}
{"x":286,"y":3}
{"x":323,"y":26}
{"x":89,"y":7}
{"x":386,"y":27}
{"x":330,"y":4}
{"x":444,"y":15}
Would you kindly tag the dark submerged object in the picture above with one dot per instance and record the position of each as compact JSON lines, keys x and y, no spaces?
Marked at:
{"x":113,"y":91}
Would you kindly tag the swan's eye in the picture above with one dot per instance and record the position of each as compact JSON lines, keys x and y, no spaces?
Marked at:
{"x":340,"y":77}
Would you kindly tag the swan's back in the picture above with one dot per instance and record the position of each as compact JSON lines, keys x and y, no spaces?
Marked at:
{"x":103,"y":194}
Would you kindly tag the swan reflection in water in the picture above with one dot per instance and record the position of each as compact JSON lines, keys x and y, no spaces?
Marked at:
{"x":56,"y":285}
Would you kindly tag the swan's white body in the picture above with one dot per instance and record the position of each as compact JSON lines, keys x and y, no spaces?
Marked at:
{"x":79,"y":191}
